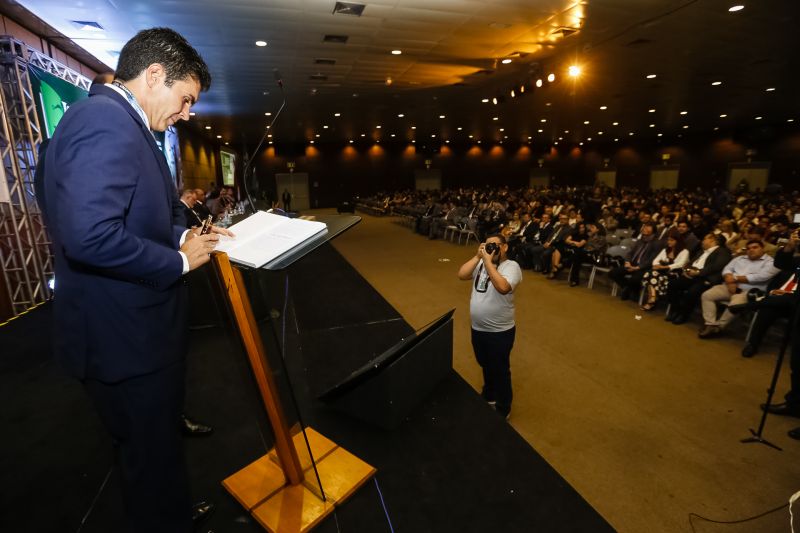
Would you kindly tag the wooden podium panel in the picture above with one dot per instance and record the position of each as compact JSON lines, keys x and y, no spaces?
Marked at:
{"x":280,"y":489}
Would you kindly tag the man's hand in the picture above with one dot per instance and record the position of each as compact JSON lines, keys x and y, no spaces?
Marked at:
{"x":214,"y":229}
{"x":198,"y":248}
{"x":732,"y":287}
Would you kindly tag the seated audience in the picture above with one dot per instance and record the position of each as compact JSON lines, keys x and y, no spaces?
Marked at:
{"x":684,"y":291}
{"x":668,"y":263}
{"x":576,"y":239}
{"x":629,"y":275}
{"x":743,"y":273}
{"x":594,"y":249}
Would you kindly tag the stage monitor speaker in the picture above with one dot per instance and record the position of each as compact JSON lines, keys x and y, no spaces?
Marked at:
{"x":385,"y":390}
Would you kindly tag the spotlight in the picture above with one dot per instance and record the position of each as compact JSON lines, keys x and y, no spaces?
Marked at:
{"x":513,"y":94}
{"x":574,"y":71}
{"x":551,"y":77}
{"x":539,"y":82}
{"x":494,"y":100}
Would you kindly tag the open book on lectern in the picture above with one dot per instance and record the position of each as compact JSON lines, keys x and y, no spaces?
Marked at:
{"x":263,"y":237}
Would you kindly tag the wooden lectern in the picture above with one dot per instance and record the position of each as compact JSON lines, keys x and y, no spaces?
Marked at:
{"x":280,"y":489}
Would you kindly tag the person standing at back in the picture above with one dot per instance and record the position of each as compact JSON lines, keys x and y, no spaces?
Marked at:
{"x":120,"y":254}
{"x":491,"y":309}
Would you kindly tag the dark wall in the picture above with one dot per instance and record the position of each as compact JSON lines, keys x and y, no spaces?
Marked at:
{"x":339,"y":171}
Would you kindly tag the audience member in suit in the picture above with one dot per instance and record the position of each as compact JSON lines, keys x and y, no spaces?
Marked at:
{"x":526,"y":229}
{"x":629,"y":276}
{"x":684,"y":292}
{"x":532,"y":251}
{"x":741,"y":274}
{"x":664,"y":228}
{"x":555,"y":244}
{"x":191,"y":217}
{"x":779,"y":303}
{"x":595,"y":246}
{"x":787,"y":261}
{"x":119,"y":316}
{"x":200,"y":204}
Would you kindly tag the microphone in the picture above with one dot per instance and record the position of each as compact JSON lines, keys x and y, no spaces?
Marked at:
{"x":277,"y":75}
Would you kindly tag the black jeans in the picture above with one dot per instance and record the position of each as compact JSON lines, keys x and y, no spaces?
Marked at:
{"x":493,"y":352}
{"x":142,"y":414}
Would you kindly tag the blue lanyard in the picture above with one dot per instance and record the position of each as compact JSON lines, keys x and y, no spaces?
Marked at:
{"x":134,"y":104}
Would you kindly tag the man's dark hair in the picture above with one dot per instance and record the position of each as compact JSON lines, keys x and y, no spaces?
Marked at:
{"x":167,"y":47}
{"x":719,"y":238}
{"x":756,"y":230}
{"x":755,"y":241}
{"x":499,"y":237}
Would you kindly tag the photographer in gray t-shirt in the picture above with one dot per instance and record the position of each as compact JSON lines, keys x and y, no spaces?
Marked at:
{"x":491,"y":308}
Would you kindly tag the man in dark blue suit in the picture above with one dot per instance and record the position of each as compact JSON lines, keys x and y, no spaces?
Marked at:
{"x":120,"y":314}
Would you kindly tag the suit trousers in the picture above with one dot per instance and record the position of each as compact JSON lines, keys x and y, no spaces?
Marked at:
{"x":142,"y":414}
{"x":719,"y":293}
{"x":683,"y":294}
{"x":493,"y":352}
{"x":770,"y":309}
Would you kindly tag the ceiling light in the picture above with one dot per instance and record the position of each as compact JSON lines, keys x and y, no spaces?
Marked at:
{"x":734,"y":9}
{"x":652,"y":125}
{"x":261,"y":43}
{"x":585,"y":121}
{"x":226,"y":143}
{"x":631,"y":133}
{"x":551,"y":77}
{"x":770,"y":89}
{"x":413,"y":127}
{"x":660,"y":134}
{"x":219,"y":136}
{"x":723,"y":115}
{"x":529,"y":137}
{"x":715,"y":83}
{"x":684,"y":112}
{"x":790,"y":120}
{"x":495,"y":118}
{"x":686,"y":126}
{"x":192,"y":113}
{"x":363,"y":134}
{"x":599,"y":132}
{"x":208,"y":127}
{"x":506,"y":61}
{"x":392,"y":135}
{"x":378,"y":127}
{"x":541,"y":131}
{"x":317,"y":135}
{"x":566,"y":131}
{"x":513,"y":94}
{"x":759,"y":118}
{"x":471,"y":136}
{"x":270,"y":142}
{"x":543,"y":120}
{"x":441,"y":116}
{"x":433,"y":135}
{"x":548,"y":104}
{"x":311,"y":142}
{"x":502,"y":129}
{"x":448,"y":141}
{"x":588,"y":138}
{"x":716,"y":128}
{"x":616,"y":140}
{"x":396,"y":52}
{"x":580,"y":143}
{"x":539,"y":82}
{"x":494,"y":100}
{"x":651,"y":110}
{"x":615,"y":123}
{"x":650,"y":76}
{"x":269,"y":136}
{"x":603,"y":108}
{"x":459,"y":128}
{"x":267,"y":114}
{"x":521,"y":89}
{"x":351,"y":141}
{"x":573,"y":70}
{"x":325,"y":127}
{"x":485,"y":100}
{"x":337,"y":114}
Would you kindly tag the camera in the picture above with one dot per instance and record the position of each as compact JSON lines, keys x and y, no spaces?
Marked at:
{"x":491,"y":248}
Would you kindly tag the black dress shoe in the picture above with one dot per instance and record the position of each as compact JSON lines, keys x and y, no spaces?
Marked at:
{"x":625,"y":294}
{"x":783,"y":409}
{"x":191,"y":428}
{"x":679,"y":319}
{"x":749,"y":350}
{"x":794,"y":433}
{"x":201,"y":511}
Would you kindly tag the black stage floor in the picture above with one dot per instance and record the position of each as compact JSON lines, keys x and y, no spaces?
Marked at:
{"x":454,"y":465}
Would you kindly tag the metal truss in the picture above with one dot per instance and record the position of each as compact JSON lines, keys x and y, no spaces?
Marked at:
{"x":25,"y":251}
{"x":48,"y":64}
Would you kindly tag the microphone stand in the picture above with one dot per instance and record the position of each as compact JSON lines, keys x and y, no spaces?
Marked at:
{"x":249,"y":163}
{"x":787,"y":337}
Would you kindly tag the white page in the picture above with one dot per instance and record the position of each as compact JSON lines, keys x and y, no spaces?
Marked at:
{"x":263,"y":236}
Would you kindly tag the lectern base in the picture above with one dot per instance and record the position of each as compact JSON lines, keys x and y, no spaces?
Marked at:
{"x":262,"y":488}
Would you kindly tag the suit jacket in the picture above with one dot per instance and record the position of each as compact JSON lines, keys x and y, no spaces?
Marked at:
{"x":651,"y":250}
{"x":119,"y":304}
{"x":715,"y":262}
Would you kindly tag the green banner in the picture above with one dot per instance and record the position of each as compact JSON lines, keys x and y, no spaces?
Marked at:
{"x":53,"y":97}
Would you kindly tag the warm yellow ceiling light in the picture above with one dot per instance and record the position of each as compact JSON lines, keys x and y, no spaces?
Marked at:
{"x":574,"y":71}
{"x":734,"y":9}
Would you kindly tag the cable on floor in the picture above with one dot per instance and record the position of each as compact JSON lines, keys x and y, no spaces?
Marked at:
{"x":742,"y":521}
{"x":94,"y":501}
